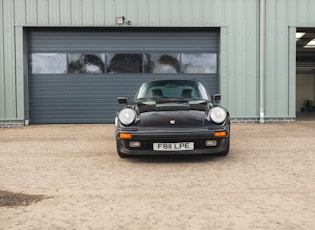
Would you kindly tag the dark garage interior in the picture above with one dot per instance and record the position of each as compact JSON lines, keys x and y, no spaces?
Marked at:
{"x":305,"y":74}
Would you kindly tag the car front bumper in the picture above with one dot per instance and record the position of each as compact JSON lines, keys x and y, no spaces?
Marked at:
{"x":199,"y":136}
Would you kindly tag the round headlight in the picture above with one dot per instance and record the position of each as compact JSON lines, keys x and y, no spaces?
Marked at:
{"x":217,"y":115}
{"x":127,"y":116}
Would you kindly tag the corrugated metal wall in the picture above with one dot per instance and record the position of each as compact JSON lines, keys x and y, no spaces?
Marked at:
{"x":281,"y":17}
{"x":238,"y":20}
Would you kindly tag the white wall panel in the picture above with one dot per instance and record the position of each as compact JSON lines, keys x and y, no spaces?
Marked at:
{"x":271,"y":53}
{"x":143,"y":12}
{"x":132,"y":12}
{"x":185,"y":8}
{"x":76,"y":12}
{"x":65,"y":13}
{"x":120,"y":8}
{"x":292,"y":71}
{"x":110,"y":13}
{"x":44,"y":12}
{"x":19,"y":67}
{"x":216,"y":12}
{"x":197,"y":13}
{"x":176,"y":16}
{"x":232,"y":101}
{"x":54,"y":12}
{"x":153,"y":13}
{"x":2,"y":79}
{"x":9,"y":59}
{"x":19,"y":12}
{"x":98,"y":12}
{"x":302,"y":11}
{"x":281,"y":72}
{"x":31,"y":12}
{"x":251,"y":68}
{"x":87,"y":12}
{"x":165,"y":10}
{"x":240,"y":47}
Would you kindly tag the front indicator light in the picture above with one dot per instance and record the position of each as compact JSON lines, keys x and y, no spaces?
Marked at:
{"x":125,"y":135}
{"x":210,"y":143}
{"x":134,"y":144}
{"x":220,"y":133}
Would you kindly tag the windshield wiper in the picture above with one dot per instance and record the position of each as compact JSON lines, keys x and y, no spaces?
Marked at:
{"x":141,"y":100}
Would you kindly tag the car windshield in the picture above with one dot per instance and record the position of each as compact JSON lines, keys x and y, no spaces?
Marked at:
{"x":186,"y":89}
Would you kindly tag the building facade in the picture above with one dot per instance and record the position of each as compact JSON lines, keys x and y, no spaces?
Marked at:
{"x":66,"y":61}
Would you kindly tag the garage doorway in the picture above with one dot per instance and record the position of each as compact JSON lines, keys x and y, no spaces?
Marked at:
{"x":76,"y":74}
{"x":305,"y":74}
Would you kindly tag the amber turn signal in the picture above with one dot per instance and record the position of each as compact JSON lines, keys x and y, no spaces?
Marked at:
{"x":220,"y":133}
{"x":125,"y":135}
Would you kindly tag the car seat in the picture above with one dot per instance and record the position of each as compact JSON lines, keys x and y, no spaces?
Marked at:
{"x":156,"y":93}
{"x":187,"y":93}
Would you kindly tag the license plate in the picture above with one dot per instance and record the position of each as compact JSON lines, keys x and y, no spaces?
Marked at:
{"x":182,"y":146}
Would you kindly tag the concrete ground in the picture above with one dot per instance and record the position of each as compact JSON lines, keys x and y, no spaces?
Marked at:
{"x":266,"y":182}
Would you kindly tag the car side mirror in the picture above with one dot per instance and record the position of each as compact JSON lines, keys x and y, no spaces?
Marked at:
{"x":122,"y":100}
{"x":216,"y":98}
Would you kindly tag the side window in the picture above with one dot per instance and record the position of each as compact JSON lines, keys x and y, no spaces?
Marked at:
{"x":86,"y":63}
{"x":100,"y":63}
{"x":161,"y":63}
{"x":48,"y":63}
{"x":199,"y":63}
{"x":124,"y":63}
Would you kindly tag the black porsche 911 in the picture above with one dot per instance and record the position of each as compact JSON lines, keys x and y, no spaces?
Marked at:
{"x":172,"y":117}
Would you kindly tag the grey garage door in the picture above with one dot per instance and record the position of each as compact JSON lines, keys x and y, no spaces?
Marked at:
{"x":76,"y":75}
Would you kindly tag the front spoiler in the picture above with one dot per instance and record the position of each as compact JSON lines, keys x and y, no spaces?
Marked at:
{"x":197,"y":135}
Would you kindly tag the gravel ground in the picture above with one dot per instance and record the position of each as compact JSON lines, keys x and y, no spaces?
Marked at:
{"x":266,"y":182}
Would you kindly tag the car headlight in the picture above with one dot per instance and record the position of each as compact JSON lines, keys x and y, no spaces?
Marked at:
{"x":127,"y":116}
{"x":217,"y":115}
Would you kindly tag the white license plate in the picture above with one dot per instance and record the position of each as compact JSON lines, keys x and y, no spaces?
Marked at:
{"x":182,"y":146}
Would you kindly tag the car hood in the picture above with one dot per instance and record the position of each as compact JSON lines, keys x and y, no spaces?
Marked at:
{"x":172,"y":114}
{"x":191,"y":118}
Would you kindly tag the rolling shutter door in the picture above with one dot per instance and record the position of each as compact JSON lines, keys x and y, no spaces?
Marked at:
{"x":92,"y":98}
